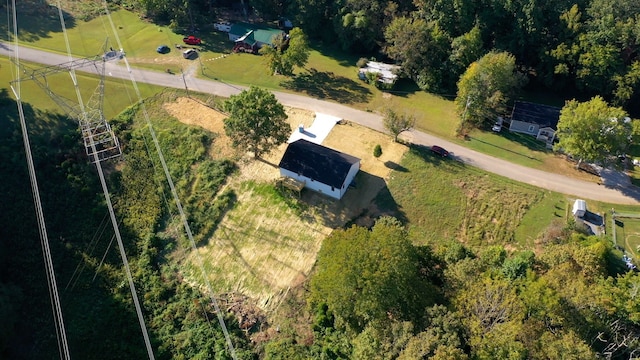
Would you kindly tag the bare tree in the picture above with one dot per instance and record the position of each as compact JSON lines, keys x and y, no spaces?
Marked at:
{"x":396,"y":123}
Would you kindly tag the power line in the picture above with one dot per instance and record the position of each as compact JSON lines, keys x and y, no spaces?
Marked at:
{"x":92,"y":245}
{"x":61,"y":335}
{"x":97,"y":160}
{"x":175,"y":195}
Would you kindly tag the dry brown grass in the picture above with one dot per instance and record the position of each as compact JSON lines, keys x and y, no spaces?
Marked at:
{"x":261,"y":250}
{"x":558,"y":164}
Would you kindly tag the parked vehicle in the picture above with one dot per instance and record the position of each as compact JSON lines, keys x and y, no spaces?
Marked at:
{"x":192,"y":40}
{"x":163,"y":49}
{"x":439,"y":151}
{"x":190,"y":54}
{"x":497,"y":127}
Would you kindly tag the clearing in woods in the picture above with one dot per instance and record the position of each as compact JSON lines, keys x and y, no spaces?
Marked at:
{"x":268,"y":243}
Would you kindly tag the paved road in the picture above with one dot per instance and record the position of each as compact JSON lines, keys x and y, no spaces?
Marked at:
{"x":614,"y":189}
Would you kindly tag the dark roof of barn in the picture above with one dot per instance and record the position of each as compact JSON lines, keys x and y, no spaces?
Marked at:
{"x":543,"y":115}
{"x":317,"y":162}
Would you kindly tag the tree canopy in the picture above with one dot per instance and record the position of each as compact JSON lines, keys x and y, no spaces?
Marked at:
{"x":593,"y":130}
{"x":485,"y":88}
{"x":366,"y":276}
{"x":256,"y":120}
{"x":420,"y":48}
{"x":288,"y":51}
{"x":398,"y":123}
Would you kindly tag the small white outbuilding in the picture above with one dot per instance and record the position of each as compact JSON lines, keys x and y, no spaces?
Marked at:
{"x":579,"y":208}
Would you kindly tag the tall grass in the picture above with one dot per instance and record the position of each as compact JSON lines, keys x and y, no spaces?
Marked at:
{"x":445,"y":200}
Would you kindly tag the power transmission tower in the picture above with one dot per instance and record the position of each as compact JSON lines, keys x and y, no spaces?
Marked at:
{"x":99,"y":140}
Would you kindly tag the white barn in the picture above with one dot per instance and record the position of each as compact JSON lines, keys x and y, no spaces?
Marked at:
{"x":320,"y":168}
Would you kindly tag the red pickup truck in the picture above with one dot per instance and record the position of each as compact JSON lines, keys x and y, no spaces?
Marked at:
{"x":192,"y":40}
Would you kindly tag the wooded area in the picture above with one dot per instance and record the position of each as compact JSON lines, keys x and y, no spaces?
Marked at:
{"x":585,"y":47}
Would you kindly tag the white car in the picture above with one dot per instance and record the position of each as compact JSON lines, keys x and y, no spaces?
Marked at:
{"x":190,"y":53}
{"x":497,"y":127}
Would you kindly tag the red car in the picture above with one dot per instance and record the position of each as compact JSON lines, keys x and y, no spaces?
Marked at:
{"x":192,"y":40}
{"x":439,"y":151}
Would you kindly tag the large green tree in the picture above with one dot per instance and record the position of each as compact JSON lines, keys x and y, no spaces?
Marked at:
{"x":256,"y":121}
{"x":593,"y":130}
{"x":289,"y":51}
{"x":420,"y":48}
{"x":465,"y":49}
{"x":485,"y":89}
{"x":370,"y":275}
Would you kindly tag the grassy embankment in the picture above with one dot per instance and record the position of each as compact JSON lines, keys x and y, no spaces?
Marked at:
{"x":446,"y":200}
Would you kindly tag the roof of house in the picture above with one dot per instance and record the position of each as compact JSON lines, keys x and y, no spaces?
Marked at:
{"x":258,"y":33}
{"x":543,"y":115}
{"x":317,"y":162}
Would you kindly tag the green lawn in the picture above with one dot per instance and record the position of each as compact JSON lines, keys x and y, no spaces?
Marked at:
{"x":118,"y":94}
{"x":330,"y":74}
{"x":445,"y":200}
{"x":628,"y":235}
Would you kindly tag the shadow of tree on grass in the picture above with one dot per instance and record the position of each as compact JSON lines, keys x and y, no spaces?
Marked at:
{"x":329,"y":86}
{"x":36,"y":20}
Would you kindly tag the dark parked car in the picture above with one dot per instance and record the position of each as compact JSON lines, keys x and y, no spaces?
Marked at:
{"x":163,"y":49}
{"x":439,"y":151}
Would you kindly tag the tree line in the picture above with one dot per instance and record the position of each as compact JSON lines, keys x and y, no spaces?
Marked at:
{"x":376,"y":296}
{"x":588,"y":47}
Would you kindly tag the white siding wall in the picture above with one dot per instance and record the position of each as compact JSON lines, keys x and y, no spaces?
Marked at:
{"x":312,"y":184}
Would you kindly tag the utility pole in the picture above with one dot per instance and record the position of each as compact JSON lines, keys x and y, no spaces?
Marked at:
{"x":464,"y":114}
{"x":461,"y":128}
{"x":185,"y":82}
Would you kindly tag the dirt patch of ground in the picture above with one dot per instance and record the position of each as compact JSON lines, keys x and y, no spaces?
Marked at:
{"x":192,"y":112}
{"x":359,"y":141}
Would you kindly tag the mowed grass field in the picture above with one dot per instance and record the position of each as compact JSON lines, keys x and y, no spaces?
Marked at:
{"x":262,"y":247}
{"x":628,"y":234}
{"x":118,"y":94}
{"x":445,"y":200}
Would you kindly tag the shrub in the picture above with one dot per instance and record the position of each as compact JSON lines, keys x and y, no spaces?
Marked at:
{"x":372,"y":78}
{"x":362,"y":62}
{"x":377,"y":151}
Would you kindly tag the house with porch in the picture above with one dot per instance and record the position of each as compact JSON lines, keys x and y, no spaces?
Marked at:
{"x":251,"y":37}
{"x":537,"y":120}
{"x":319,"y":168}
